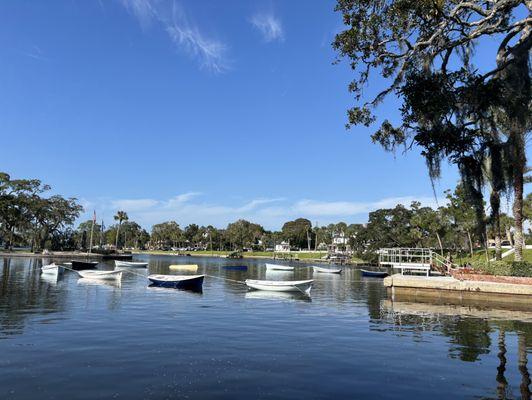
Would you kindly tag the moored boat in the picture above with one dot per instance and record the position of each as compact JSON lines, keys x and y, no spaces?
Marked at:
{"x":236,"y":267}
{"x":327,"y":270}
{"x":374,"y":274}
{"x":190,"y":282}
{"x":81,"y":265}
{"x":52,"y":270}
{"x":130,"y":264}
{"x":118,"y":256}
{"x":277,"y":267}
{"x":106,"y":275}
{"x":184,"y":267}
{"x":281,"y":286}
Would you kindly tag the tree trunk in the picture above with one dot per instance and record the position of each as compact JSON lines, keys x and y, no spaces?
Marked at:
{"x":470,"y":243}
{"x":498,"y":247}
{"x":495,"y":202}
{"x":509,"y":236}
{"x":440,"y":243}
{"x":117,"y":235}
{"x":518,"y":216}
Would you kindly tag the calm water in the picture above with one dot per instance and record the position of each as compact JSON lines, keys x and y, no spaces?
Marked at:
{"x":75,"y":339}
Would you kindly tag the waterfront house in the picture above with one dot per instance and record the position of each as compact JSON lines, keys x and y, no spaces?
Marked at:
{"x":282,"y":247}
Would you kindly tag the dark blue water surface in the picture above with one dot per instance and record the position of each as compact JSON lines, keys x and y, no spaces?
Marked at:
{"x":76,"y":339}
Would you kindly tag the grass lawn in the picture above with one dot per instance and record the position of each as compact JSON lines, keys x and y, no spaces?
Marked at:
{"x":480,"y":256}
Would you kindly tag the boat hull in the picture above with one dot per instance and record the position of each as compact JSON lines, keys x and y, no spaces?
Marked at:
{"x":275,"y":267}
{"x":52,"y":270}
{"x":178,"y":282}
{"x":128,"y":264}
{"x":117,"y":257}
{"x":327,"y":270}
{"x":81,"y":265}
{"x":281,"y":286}
{"x":236,"y":267}
{"x":374,"y":274}
{"x":101,"y":275}
{"x":184,"y":267}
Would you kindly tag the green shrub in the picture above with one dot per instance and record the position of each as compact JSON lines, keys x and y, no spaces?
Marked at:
{"x":522,"y":269}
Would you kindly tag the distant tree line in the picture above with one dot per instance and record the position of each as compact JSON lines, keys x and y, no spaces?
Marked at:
{"x":30,"y":218}
{"x":28,"y":215}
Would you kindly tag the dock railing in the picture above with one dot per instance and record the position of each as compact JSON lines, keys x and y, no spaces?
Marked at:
{"x":414,"y":259}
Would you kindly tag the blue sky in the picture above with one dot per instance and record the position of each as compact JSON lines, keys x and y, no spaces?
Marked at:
{"x":194,"y":111}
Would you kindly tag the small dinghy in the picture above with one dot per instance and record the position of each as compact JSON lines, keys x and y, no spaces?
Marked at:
{"x":105,"y":275}
{"x":374,"y":274}
{"x":184,"y":267}
{"x":236,"y":267}
{"x":277,"y":267}
{"x":281,"y":286}
{"x":327,"y":270}
{"x":130,"y":264}
{"x":190,"y":282}
{"x":52,"y":270}
{"x":80,"y":265}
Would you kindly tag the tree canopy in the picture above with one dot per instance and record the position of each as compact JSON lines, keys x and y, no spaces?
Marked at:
{"x":452,"y":108}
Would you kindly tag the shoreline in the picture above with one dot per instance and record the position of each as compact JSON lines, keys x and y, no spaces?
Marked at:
{"x":174,"y":254}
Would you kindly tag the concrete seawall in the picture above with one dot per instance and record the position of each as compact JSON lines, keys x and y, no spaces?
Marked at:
{"x":451,"y":288}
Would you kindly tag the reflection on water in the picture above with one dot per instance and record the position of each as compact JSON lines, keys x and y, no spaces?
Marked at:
{"x":348,"y":339}
{"x":286,"y":296}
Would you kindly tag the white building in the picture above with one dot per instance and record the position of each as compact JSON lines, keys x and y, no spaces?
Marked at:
{"x":340,"y":244}
{"x":282,"y":247}
{"x":340,"y":239}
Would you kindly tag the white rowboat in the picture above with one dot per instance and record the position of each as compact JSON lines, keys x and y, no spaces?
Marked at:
{"x":130,"y":264}
{"x":52,"y":269}
{"x":106,"y":275}
{"x":281,"y":286}
{"x":184,"y":267}
{"x":276,"y":267}
{"x":327,"y":270}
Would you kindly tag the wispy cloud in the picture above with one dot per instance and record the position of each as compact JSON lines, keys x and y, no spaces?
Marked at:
{"x":211,"y":54}
{"x":269,"y":26}
{"x":144,"y":10}
{"x":189,"y":208}
{"x":36,"y":53}
{"x":346,"y":208}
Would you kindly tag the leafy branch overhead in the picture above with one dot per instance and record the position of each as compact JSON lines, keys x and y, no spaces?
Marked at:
{"x":475,"y":116}
{"x":394,"y":38}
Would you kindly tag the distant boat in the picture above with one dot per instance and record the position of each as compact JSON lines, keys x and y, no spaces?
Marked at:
{"x":52,"y":270}
{"x":281,"y":286}
{"x":106,"y":275}
{"x":327,"y":270}
{"x":191,"y":282}
{"x":374,"y":274}
{"x":118,"y":256}
{"x":80,"y":265}
{"x":236,"y":267}
{"x":276,"y":267}
{"x":184,"y":267}
{"x":235,"y":255}
{"x":130,"y":264}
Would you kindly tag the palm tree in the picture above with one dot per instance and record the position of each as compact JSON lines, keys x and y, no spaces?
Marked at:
{"x":120,"y":217}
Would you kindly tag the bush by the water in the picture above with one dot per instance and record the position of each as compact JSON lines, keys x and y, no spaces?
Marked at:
{"x":514,"y":268}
